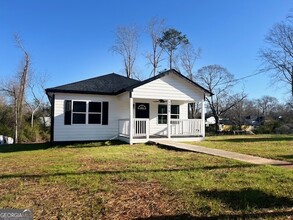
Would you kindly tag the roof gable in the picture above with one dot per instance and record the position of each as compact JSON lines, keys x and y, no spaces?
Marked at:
{"x":169,"y":86}
{"x":171,"y":71}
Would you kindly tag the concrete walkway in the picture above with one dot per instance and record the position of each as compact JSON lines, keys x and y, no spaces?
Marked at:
{"x":224,"y":153}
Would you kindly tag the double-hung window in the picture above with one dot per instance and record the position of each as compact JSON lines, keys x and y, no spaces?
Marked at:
{"x":95,"y":112}
{"x":83,"y":112}
{"x":162,"y":113}
{"x":79,"y":112}
{"x":175,"y":111}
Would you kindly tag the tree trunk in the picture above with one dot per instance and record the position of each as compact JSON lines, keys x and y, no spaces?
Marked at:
{"x":292,"y":82}
{"x":155,"y":66}
{"x":32,"y":119}
{"x":171,"y":59}
{"x":23,"y":85}
{"x":15,"y":121}
{"x":217,"y":124}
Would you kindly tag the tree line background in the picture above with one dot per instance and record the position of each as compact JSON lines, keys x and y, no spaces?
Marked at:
{"x":23,"y":105}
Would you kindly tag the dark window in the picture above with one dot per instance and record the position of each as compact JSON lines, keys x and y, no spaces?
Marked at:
{"x":94,"y":116}
{"x":162,"y":109}
{"x":162,"y":113}
{"x":78,"y":118}
{"x":94,"y":107}
{"x":79,"y":106}
{"x":193,"y":110}
{"x":76,"y":112}
{"x":175,"y":109}
{"x":162,"y":119}
{"x":79,"y":112}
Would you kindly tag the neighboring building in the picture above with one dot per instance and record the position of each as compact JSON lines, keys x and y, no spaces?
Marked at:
{"x":115,"y":107}
{"x":45,"y":121}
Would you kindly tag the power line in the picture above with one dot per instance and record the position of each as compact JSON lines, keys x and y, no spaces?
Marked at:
{"x":245,"y":77}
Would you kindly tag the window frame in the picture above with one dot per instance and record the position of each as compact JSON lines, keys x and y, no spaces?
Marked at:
{"x":79,"y":113}
{"x":173,"y":115}
{"x":91,"y":113}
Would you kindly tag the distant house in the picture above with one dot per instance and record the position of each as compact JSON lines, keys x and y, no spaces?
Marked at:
{"x":115,"y":107}
{"x":45,"y":121}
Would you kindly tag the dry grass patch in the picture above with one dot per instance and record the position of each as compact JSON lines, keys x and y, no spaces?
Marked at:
{"x":132,"y":199}
{"x":51,"y":200}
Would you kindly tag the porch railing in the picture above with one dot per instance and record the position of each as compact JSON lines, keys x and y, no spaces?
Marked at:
{"x":179,"y":127}
{"x":185,"y":127}
{"x":123,"y":127}
{"x":140,"y":127}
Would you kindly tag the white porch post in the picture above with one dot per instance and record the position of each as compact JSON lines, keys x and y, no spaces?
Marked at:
{"x":203,"y":126}
{"x":130,"y":119}
{"x":169,"y":118}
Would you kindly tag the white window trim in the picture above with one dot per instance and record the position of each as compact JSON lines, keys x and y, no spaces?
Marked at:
{"x":86,"y":112}
{"x":167,"y":114}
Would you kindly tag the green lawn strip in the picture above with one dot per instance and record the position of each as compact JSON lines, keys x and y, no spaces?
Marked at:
{"x":137,"y":181}
{"x":279,"y":147}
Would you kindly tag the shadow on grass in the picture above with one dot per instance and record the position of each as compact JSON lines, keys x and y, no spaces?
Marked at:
{"x":288,"y":157}
{"x":246,"y":199}
{"x":114,"y":172}
{"x":8,"y":148}
{"x":260,"y":215}
{"x":256,"y":139}
{"x":240,"y":200}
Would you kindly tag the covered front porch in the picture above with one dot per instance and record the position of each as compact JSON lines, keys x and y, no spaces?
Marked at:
{"x":153,"y":120}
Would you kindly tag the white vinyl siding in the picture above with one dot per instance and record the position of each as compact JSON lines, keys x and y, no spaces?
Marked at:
{"x":118,"y":109}
{"x":170,"y":87}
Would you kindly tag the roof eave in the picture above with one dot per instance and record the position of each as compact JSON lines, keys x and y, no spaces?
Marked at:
{"x":78,"y":92}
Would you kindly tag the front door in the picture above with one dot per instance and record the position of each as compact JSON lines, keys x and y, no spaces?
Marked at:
{"x":142,"y":110}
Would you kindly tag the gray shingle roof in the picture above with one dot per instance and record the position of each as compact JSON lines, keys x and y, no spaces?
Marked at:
{"x":109,"y":84}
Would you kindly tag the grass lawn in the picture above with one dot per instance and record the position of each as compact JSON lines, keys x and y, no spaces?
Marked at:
{"x":103,"y":181}
{"x":278,"y":147}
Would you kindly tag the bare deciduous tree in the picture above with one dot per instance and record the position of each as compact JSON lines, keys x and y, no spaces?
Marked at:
{"x":36,"y":89}
{"x":238,"y":113}
{"x":267,"y":105}
{"x":155,"y":29}
{"x":188,"y":56}
{"x":16,"y":88}
{"x":126,"y":44}
{"x":218,"y":81}
{"x":277,"y":57}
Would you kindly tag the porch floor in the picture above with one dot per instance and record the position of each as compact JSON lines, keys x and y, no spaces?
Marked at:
{"x":165,"y":136}
{"x":143,"y":139}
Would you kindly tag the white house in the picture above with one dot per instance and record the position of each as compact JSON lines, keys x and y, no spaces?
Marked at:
{"x":115,"y":107}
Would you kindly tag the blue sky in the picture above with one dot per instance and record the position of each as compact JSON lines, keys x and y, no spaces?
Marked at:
{"x":71,"y":40}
